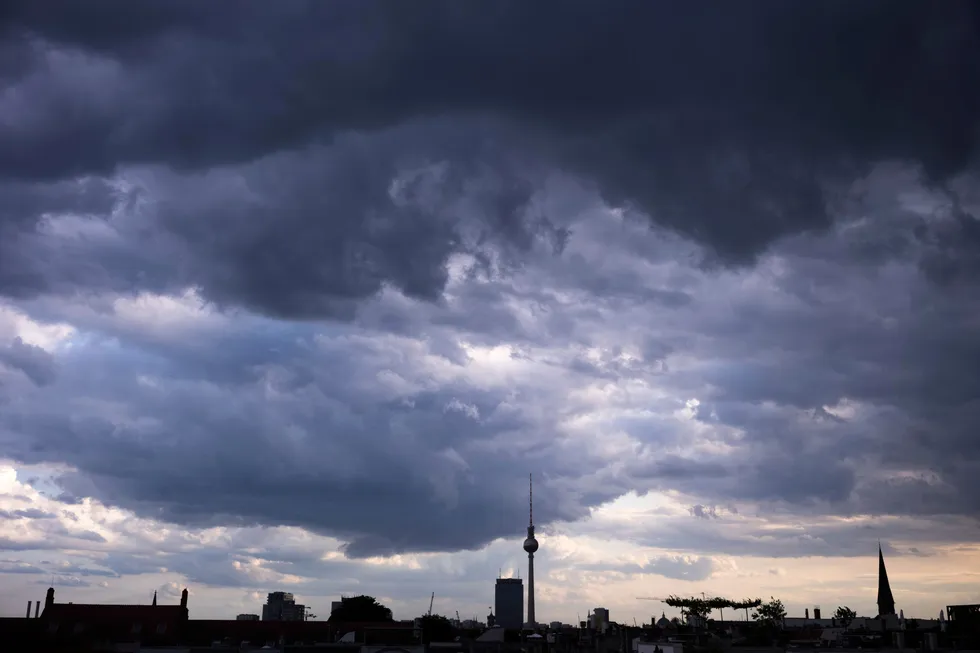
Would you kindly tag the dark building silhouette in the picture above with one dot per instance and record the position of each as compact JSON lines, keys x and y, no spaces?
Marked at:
{"x":282,"y":606}
{"x":93,"y":624}
{"x":509,"y":603}
{"x":886,"y":602}
{"x":70,"y":627}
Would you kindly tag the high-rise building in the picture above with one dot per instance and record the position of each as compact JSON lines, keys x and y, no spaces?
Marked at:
{"x":531,"y":546}
{"x":281,"y":606}
{"x":600,"y":620}
{"x":247,"y":617}
{"x":509,"y":603}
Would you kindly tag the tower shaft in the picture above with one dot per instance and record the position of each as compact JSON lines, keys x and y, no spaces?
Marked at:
{"x":530,"y":589}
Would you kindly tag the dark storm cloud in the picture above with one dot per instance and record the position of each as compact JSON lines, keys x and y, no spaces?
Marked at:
{"x":704,"y":512}
{"x":349,"y":431}
{"x":297,"y":234}
{"x":721,"y":120}
{"x":790,"y":535}
{"x":669,"y":566}
{"x":6,"y":544}
{"x":19,"y":567}
{"x":301,"y":164}
{"x":317,"y":232}
{"x":80,"y":570}
{"x":387,"y":475}
{"x":33,"y":361}
{"x":30,"y":263}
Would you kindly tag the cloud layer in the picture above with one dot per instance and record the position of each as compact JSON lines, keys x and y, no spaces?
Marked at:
{"x":343,"y":274}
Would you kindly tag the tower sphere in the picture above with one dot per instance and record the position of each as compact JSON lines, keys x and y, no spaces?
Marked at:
{"x":531,"y":545}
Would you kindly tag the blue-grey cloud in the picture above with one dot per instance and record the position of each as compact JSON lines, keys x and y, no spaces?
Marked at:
{"x":16,"y":567}
{"x":33,"y":361}
{"x":29,"y":513}
{"x":735,"y":145}
{"x":280,"y":265}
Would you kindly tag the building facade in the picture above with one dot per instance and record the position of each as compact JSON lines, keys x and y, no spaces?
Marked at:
{"x":509,"y":603}
{"x":84,"y":626}
{"x":281,"y":606}
{"x":600,"y":620}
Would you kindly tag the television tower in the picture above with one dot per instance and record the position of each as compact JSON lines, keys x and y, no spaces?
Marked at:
{"x":530,"y":545}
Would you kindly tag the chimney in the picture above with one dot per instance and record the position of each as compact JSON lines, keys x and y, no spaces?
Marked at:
{"x":183,"y":599}
{"x":37,"y":609}
{"x":816,"y":613}
{"x":807,"y":614}
{"x":29,"y":609}
{"x":49,"y":598}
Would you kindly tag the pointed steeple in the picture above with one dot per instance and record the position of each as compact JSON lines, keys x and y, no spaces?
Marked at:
{"x":154,"y":597}
{"x":886,"y":602}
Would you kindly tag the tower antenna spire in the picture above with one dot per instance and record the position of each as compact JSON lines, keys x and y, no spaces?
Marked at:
{"x":530,"y":500}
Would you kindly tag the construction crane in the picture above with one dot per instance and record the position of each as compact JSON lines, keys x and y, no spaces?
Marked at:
{"x":431,"y":599}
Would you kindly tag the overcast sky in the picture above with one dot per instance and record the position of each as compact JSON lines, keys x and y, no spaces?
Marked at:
{"x":295,"y":295}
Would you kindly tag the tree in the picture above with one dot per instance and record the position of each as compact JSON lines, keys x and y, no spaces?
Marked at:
{"x":362,"y":608}
{"x":845,"y":616}
{"x":436,"y":628}
{"x":770,"y":613}
{"x":702,"y":607}
{"x":745,"y":604}
{"x":695,"y":608}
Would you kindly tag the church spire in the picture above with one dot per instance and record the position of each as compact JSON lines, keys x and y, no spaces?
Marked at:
{"x":886,"y":602}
